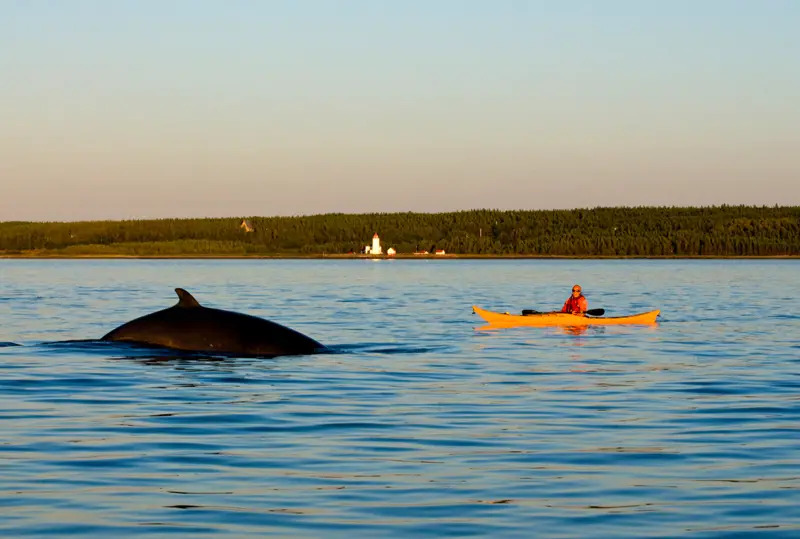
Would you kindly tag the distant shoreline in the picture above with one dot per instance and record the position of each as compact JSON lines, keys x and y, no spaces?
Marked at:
{"x":597,"y":233}
{"x":47,"y":256}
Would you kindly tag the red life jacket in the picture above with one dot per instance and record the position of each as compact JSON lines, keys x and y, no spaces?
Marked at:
{"x":575,"y":305}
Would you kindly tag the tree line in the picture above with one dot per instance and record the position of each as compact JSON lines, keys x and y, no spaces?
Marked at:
{"x":620,"y":231}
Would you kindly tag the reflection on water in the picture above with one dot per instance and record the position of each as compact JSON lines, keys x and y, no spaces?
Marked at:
{"x":416,"y":424}
{"x":567,"y":330}
{"x":575,"y":330}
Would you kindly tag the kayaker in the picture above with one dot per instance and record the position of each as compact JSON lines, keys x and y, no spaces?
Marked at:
{"x":576,"y":303}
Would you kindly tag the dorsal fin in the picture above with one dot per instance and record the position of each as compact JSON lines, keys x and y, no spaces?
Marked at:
{"x":185,"y":299}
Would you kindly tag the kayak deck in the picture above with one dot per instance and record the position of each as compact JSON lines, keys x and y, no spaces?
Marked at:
{"x":561,"y":319}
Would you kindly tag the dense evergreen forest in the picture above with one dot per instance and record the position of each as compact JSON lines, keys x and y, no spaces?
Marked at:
{"x":623,"y":231}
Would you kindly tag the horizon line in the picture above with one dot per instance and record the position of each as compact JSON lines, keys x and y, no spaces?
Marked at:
{"x":305,"y":215}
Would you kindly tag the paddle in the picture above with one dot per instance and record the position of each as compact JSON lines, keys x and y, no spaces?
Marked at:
{"x":590,"y":312}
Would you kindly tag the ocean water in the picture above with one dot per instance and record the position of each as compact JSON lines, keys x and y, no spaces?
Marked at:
{"x":418,"y":424}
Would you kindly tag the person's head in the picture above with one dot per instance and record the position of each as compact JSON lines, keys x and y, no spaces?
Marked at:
{"x":576,"y":290}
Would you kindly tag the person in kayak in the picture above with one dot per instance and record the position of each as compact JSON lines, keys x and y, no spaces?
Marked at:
{"x":576,"y":303}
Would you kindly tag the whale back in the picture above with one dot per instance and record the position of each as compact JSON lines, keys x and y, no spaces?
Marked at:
{"x":189,"y":326}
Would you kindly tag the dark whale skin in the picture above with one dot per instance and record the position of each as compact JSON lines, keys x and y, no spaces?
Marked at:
{"x":190,"y":327}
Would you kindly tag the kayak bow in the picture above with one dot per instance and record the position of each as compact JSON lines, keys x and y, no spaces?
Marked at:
{"x":561,"y":319}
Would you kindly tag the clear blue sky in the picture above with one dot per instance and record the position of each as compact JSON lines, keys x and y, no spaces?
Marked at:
{"x":149,"y":108}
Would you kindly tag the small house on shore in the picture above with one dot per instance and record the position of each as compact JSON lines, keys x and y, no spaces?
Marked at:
{"x":376,"y":248}
{"x":245,"y":224}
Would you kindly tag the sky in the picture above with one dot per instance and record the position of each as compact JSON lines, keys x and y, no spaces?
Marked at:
{"x":137,"y":109}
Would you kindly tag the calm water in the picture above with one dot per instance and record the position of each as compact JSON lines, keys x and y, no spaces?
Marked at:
{"x":418,"y":424}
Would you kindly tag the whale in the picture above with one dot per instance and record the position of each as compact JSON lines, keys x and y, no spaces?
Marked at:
{"x":188,"y":326}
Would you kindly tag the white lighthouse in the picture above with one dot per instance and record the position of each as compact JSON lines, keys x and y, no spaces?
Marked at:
{"x":376,"y":245}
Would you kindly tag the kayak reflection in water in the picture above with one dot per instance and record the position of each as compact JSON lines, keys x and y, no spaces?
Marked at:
{"x":576,"y":303}
{"x":575,"y":330}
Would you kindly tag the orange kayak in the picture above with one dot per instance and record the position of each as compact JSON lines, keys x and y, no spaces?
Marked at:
{"x":561,"y":319}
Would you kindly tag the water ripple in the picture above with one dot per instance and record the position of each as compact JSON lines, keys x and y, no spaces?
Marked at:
{"x":416,"y":424}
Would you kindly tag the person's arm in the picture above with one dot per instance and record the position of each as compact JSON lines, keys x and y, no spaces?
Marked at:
{"x":564,"y":308}
{"x":583,"y":304}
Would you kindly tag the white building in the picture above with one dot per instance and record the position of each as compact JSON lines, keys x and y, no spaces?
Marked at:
{"x":376,"y":245}
{"x":390,"y":251}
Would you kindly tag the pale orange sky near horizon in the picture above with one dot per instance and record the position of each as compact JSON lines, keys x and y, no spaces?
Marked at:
{"x":137,"y":110}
